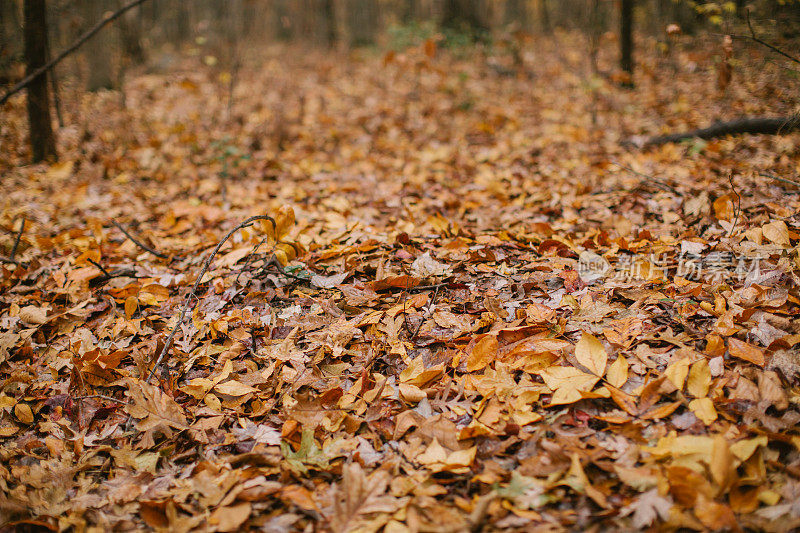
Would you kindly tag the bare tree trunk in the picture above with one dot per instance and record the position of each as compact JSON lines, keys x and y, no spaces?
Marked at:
{"x":544,"y":17}
{"x":130,"y":32}
{"x":464,"y":15}
{"x":626,"y":38}
{"x":98,"y":48}
{"x":329,"y":15}
{"x":43,"y":140}
{"x":363,"y":22}
{"x":516,"y":12}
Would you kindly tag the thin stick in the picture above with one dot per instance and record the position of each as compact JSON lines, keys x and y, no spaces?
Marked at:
{"x":191,"y":297}
{"x":101,"y":397}
{"x":772,"y":176}
{"x":16,"y":240}
{"x":738,"y":205}
{"x":71,"y":48}
{"x":658,"y":183}
{"x":137,"y":243}
{"x":103,"y":270}
{"x":430,"y":310}
{"x":273,"y":261}
{"x":764,"y":43}
{"x":422,"y":288}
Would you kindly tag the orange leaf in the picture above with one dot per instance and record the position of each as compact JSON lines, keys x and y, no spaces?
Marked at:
{"x":746,"y":351}
{"x":483,"y":353}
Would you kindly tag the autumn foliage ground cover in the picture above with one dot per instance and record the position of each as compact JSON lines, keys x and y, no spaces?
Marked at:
{"x":486,"y":321}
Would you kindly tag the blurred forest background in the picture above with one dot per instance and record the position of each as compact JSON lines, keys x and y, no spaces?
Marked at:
{"x":158,"y":35}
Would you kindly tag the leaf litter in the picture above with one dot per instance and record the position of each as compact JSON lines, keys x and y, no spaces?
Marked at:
{"x":464,"y":313}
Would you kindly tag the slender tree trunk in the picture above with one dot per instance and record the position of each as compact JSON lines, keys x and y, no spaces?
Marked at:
{"x":43,"y":140}
{"x":130,"y":31}
{"x":544,"y":17}
{"x":409,"y":11}
{"x":626,"y":38}
{"x":363,"y":22}
{"x":329,"y":15}
{"x":516,"y":12}
{"x":464,"y":15}
{"x":98,"y":48}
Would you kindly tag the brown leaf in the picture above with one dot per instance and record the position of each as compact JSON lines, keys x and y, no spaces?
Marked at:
{"x":746,"y":351}
{"x":153,"y":407}
{"x":230,"y":518}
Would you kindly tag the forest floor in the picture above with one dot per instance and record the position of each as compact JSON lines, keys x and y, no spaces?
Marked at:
{"x":495,"y":314}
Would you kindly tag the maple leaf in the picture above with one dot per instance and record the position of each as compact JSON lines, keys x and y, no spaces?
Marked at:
{"x":359,"y":495}
{"x":647,"y":507}
{"x":155,"y":409}
{"x":309,"y":453}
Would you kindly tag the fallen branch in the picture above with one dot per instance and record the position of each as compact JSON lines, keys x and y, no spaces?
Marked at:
{"x":754,"y":125}
{"x":137,"y":243}
{"x":192,"y":297}
{"x":71,"y":48}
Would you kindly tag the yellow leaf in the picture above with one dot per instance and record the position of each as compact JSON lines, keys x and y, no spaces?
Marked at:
{"x":231,"y":258}
{"x":677,"y":371}
{"x":721,"y":466}
{"x":776,"y":232}
{"x":230,"y":518}
{"x":565,"y":396}
{"x":284,"y":220}
{"x":131,"y":304}
{"x":556,"y":377}
{"x":617,"y":373}
{"x":699,"y":379}
{"x":23,"y":413}
{"x":197,"y":387}
{"x":234,"y":388}
{"x":744,"y":449}
{"x":590,"y":353}
{"x":416,"y":373}
{"x":434,"y":454}
{"x":703,"y":408}
{"x":483,"y":353}
{"x":723,"y":208}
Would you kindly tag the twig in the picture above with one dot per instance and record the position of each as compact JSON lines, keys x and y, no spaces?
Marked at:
{"x":764,"y":43}
{"x":430,"y":310}
{"x":9,"y":260}
{"x":658,"y":183}
{"x":16,"y":240}
{"x":101,"y":397}
{"x":138,"y":243}
{"x":434,"y":287}
{"x":738,"y":205}
{"x":273,"y":261}
{"x":103,"y":270}
{"x":192,"y":297}
{"x":71,"y":48}
{"x":774,"y":177}
{"x":405,"y":315}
